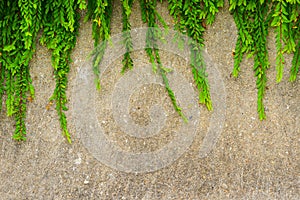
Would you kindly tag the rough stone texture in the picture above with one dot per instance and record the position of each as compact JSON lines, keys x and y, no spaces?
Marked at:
{"x":252,"y":159}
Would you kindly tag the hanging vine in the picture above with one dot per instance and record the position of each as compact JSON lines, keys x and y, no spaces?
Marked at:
{"x":150,"y":16}
{"x":20,"y":22}
{"x":60,"y":30}
{"x":100,"y":11}
{"x":253,"y":18}
{"x":126,"y":12}
{"x":286,"y":17}
{"x":191,"y":18}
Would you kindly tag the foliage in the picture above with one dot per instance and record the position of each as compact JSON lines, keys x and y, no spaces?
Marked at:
{"x":60,"y":29}
{"x":21,"y":21}
{"x":253,"y":19}
{"x":100,"y":11}
{"x":286,"y":16}
{"x":126,"y":12}
{"x":150,"y":16}
{"x":191,"y":18}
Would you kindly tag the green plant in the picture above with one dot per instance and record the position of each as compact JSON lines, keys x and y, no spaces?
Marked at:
{"x":150,"y":16}
{"x":21,"y":21}
{"x":185,"y":14}
{"x":286,"y":16}
{"x":253,"y":19}
{"x":191,"y":18}
{"x":60,"y":30}
{"x":100,"y":11}
{"x":126,"y":12}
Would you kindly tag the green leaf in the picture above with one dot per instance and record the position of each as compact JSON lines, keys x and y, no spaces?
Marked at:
{"x":9,"y":48}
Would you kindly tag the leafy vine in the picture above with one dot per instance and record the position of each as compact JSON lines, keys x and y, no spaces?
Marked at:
{"x":100,"y":11}
{"x":60,"y":30}
{"x":253,"y":19}
{"x":191,"y":18}
{"x":286,"y":17}
{"x":126,"y":12}
{"x":21,"y":21}
{"x":150,"y":16}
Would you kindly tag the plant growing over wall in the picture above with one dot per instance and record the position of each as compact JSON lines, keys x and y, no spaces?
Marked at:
{"x":100,"y":11}
{"x":150,"y":16}
{"x":20,"y":22}
{"x":286,"y":15}
{"x":253,"y":19}
{"x":191,"y":18}
{"x":126,"y":12}
{"x":60,"y":31}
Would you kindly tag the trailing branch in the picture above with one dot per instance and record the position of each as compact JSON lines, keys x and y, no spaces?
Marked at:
{"x":150,"y":16}
{"x":100,"y":11}
{"x":191,"y":18}
{"x":252,"y":20}
{"x":126,"y":12}
{"x":20,"y":23}
{"x":60,"y":33}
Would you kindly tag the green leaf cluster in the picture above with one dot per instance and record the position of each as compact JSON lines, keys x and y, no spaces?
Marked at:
{"x":285,"y":17}
{"x":149,"y":16}
{"x":253,"y":19}
{"x":100,"y":11}
{"x":154,"y":33}
{"x":61,"y":23}
{"x":127,"y":40}
{"x":20,"y":22}
{"x":191,"y":18}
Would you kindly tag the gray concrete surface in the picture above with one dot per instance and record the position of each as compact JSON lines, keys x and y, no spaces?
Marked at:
{"x":251,"y":160}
